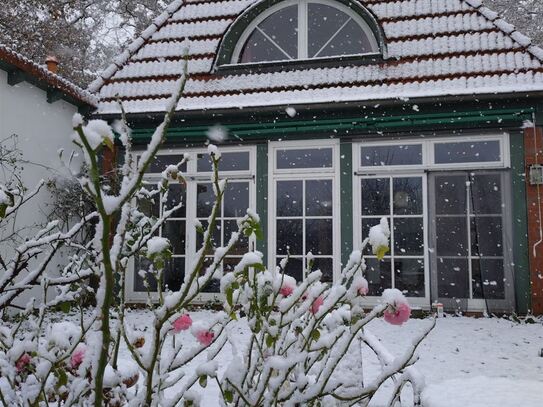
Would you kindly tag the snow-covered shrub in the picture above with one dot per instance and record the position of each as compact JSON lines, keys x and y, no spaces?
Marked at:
{"x":306,"y":338}
{"x":302,"y":334}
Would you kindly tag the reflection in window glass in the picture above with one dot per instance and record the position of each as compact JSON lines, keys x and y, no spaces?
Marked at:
{"x":375,"y":156}
{"x":467,"y":152}
{"x":375,"y":196}
{"x":274,"y":39}
{"x":331,"y":32}
{"x":304,"y":210}
{"x":306,"y":158}
{"x":469,"y":235}
{"x":399,"y":200}
{"x":236,"y":161}
{"x":161,"y":161}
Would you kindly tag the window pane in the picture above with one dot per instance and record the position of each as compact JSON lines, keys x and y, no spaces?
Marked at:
{"x":242,"y":246}
{"x":306,"y":158}
{"x":236,"y":199}
{"x":174,"y":273}
{"x":325,"y":265}
{"x":407,"y":196}
{"x":467,"y":152}
{"x":176,"y":195}
{"x":205,"y":199}
{"x":409,"y":276}
{"x":289,"y":237}
{"x":214,"y":285}
{"x":375,"y":196}
{"x":408,"y":236}
{"x":174,"y":231}
{"x":289,"y":198}
{"x":451,"y":236}
{"x":318,"y":198}
{"x":274,"y":39}
{"x":161,"y":161}
{"x":233,"y":161}
{"x":378,"y":275}
{"x":452,"y":278}
{"x":318,"y":236}
{"x":486,"y":194}
{"x":450,"y":193}
{"x":486,"y":236}
{"x":351,"y":40}
{"x":293,"y":268}
{"x":374,"y":156}
{"x":323,"y":23}
{"x":488,"y":279}
{"x":215,"y":235}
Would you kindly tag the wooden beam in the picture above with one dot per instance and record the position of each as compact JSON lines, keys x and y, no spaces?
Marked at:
{"x":15,"y":77}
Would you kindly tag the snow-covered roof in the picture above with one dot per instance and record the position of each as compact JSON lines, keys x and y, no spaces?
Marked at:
{"x":434,"y":48}
{"x":42,"y":75}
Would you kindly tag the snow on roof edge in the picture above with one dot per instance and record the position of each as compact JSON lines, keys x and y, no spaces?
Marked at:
{"x":134,"y":46}
{"x":41,"y":73}
{"x":507,"y":28}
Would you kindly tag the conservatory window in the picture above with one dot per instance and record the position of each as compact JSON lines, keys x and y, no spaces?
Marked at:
{"x":304,"y":216}
{"x":238,"y":166}
{"x":305,"y":29}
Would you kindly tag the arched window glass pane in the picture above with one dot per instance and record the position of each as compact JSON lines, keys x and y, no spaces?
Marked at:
{"x":331,"y":32}
{"x":274,"y":39}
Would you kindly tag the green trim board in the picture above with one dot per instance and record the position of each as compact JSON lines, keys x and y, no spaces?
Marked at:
{"x":262,"y":196}
{"x":520,"y":224}
{"x":256,"y":130}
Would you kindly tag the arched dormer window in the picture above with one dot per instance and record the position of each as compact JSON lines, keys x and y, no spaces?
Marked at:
{"x":295,"y":30}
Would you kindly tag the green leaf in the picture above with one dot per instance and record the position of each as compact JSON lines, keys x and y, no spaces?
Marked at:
{"x":203,"y":381}
{"x":62,"y":378}
{"x":316,"y":334}
{"x":230,"y":295}
{"x":3,"y":209}
{"x":228,"y":396}
{"x":65,"y":307}
{"x":270,"y":340}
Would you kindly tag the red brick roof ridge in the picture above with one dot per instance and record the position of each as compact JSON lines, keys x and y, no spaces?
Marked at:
{"x":135,"y":45}
{"x":43,"y":74}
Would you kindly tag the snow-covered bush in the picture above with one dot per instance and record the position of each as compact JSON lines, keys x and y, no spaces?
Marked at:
{"x":303,"y":335}
{"x":306,"y":338}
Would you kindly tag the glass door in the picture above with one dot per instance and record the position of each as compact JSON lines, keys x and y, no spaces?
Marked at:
{"x":471,"y":255}
{"x":401,"y":200}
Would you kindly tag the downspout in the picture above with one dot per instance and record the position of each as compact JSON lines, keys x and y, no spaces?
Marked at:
{"x":536,"y":244}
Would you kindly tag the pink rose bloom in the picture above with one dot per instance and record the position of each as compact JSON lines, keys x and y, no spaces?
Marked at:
{"x":361,"y":286}
{"x":22,"y":362}
{"x":398,"y":314}
{"x":286,"y":290}
{"x":182,"y":323}
{"x":78,"y":356}
{"x":205,"y":337}
{"x":316,"y":305}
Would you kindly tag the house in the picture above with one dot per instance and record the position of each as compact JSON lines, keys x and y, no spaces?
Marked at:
{"x":36,"y":110}
{"x":340,"y":112}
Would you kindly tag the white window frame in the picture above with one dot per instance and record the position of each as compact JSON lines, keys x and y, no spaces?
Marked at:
{"x":302,"y":29}
{"x":422,"y":302}
{"x":193,"y":178}
{"x":302,"y":174}
{"x":428,"y":164}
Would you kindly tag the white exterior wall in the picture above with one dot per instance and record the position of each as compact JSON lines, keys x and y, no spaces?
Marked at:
{"x":42,"y":128}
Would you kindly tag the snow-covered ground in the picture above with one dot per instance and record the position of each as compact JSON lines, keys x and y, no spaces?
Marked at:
{"x":467,"y":362}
